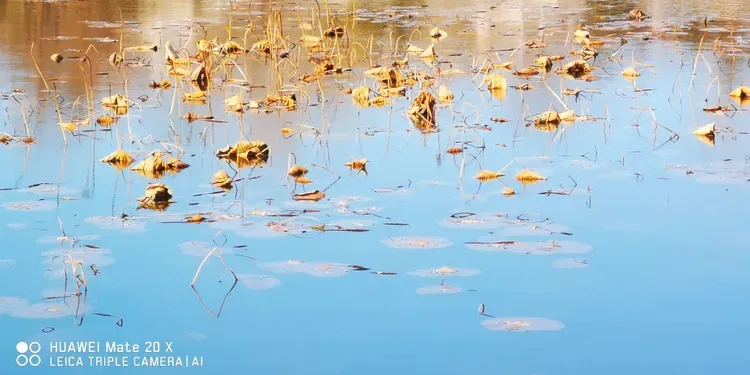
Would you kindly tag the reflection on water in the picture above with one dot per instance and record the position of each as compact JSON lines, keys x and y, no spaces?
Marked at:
{"x":654,"y":209}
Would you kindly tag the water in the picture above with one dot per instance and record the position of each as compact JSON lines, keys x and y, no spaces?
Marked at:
{"x":656,"y":218}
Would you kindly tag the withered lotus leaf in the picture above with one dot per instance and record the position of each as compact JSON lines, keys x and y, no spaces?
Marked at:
{"x":357,"y":165}
{"x":526,"y":72}
{"x":115,"y":101}
{"x":245,"y":154}
{"x":234,"y":104}
{"x":157,"y":197}
{"x":485,"y":175}
{"x":543,"y":62}
{"x":454,"y":150}
{"x":422,"y":111}
{"x":549,"y":117}
{"x":528,"y":176}
{"x":637,"y":15}
{"x":429,"y":53}
{"x":302,"y":180}
{"x":222,"y":180}
{"x":314,"y":196}
{"x":197,"y":96}
{"x":334,"y":31}
{"x":577,"y":68}
{"x":379,"y":101}
{"x":706,"y":130}
{"x":361,"y":96}
{"x":118,"y":159}
{"x":740,"y":92}
{"x":152,"y":167}
{"x":297,"y":171}
{"x":508,"y":191}
{"x":56,"y":58}
{"x":630,"y":72}
{"x":445,"y":95}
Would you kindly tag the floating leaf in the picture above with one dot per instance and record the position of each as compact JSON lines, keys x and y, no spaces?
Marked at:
{"x":56,"y":58}
{"x":507,"y":191}
{"x":234,"y":104}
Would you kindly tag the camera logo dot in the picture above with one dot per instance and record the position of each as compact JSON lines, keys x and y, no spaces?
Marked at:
{"x":22,"y":348}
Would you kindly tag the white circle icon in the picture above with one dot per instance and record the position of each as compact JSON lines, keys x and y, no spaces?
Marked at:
{"x":34,"y":347}
{"x":22,"y":360}
{"x":35,"y":360}
{"x":22,"y":347}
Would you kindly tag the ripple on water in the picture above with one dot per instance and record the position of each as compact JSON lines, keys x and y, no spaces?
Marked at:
{"x":514,"y":324}
{"x":439,"y":289}
{"x":30,"y":206}
{"x":129,"y":225}
{"x":24,"y":309}
{"x":5,"y":263}
{"x":417,"y":242}
{"x":200,"y":248}
{"x":63,"y":240}
{"x":54,"y":258}
{"x":316,"y":269}
{"x":470,"y":220}
{"x":570,"y":263}
{"x":446,"y":271}
{"x":258,"y":282}
{"x":529,"y":248}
